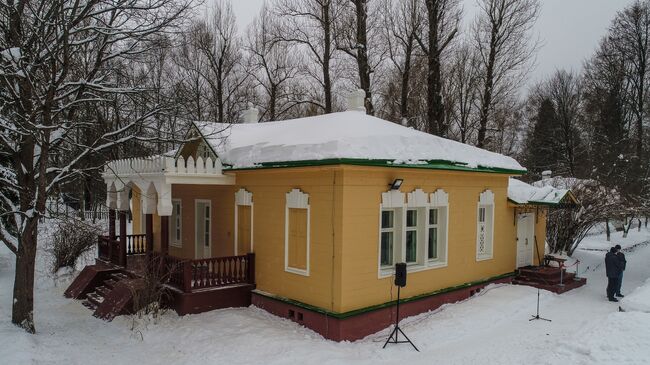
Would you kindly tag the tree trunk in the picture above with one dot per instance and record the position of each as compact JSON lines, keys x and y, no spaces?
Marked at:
{"x":404,"y":92}
{"x":362,"y":53}
{"x":272,"y":102}
{"x":486,"y":100}
{"x":607,"y":231}
{"x":435,"y":109}
{"x":23,"y":300}
{"x":327,"y":45}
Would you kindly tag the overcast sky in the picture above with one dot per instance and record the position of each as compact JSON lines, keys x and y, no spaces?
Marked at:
{"x":569,"y":29}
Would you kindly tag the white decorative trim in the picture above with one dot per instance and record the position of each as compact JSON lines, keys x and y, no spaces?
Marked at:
{"x":439,"y":198}
{"x":243,"y":198}
{"x":486,"y":200}
{"x":296,"y":199}
{"x":486,"y":197}
{"x":417,"y":198}
{"x":123,"y":202}
{"x":162,"y":172}
{"x":392,"y":199}
{"x":111,"y":196}
{"x":148,"y":200}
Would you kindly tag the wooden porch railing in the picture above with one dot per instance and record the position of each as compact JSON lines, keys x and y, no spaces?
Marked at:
{"x":136,"y":244}
{"x":189,"y":275}
{"x":111,"y":250}
{"x":108,"y":250}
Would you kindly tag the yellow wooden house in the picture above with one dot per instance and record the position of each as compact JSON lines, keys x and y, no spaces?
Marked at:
{"x":307,"y":217}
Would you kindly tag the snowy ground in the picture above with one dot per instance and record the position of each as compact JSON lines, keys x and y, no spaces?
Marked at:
{"x":491,"y":328}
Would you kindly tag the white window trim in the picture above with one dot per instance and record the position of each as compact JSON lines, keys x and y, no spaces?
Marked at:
{"x":296,"y":199}
{"x":439,"y":199}
{"x":391,"y":200}
{"x":417,"y":199}
{"x":486,"y":200}
{"x":172,"y":239}
{"x":196,"y":224}
{"x":243,"y":198}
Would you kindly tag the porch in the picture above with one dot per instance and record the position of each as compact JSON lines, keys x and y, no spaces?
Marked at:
{"x":124,"y":266}
{"x":196,"y":279}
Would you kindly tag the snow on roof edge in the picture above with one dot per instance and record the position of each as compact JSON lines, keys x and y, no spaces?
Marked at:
{"x":342,"y":136}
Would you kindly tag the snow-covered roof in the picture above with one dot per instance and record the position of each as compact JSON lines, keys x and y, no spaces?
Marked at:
{"x":521,"y":193}
{"x":351,"y":135}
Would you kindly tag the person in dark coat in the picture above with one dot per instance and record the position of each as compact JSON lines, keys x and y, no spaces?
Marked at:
{"x":623,"y":262}
{"x":613,"y":271}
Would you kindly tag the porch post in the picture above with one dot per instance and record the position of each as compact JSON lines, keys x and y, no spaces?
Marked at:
{"x":111,"y":224}
{"x":123,"y":238}
{"x":250,"y":258}
{"x":164,"y":234}
{"x":149,"y":231}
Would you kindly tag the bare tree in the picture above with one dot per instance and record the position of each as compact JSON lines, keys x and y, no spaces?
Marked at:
{"x":273,"y":66}
{"x":462,"y":92}
{"x":218,"y":41}
{"x":443,"y":19}
{"x":310,"y":24}
{"x":58,"y":57}
{"x":356,"y":36}
{"x":402,"y":22}
{"x":502,"y":37}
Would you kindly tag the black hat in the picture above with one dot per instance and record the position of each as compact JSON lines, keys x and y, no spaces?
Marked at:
{"x":613,"y":250}
{"x":618,"y":247}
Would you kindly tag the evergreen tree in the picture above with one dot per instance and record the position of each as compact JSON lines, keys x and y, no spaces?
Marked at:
{"x":542,"y":152}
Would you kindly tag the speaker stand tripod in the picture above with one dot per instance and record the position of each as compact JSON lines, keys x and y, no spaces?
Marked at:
{"x":535,"y":317}
{"x":393,"y":338}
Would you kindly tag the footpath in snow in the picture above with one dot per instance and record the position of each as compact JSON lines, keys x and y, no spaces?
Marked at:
{"x":490,"y":328}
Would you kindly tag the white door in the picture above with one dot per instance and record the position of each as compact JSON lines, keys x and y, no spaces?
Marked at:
{"x":525,"y":239}
{"x":203,"y":229}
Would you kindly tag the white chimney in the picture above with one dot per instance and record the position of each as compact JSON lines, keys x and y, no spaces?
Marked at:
{"x":356,"y":101}
{"x":250,"y":115}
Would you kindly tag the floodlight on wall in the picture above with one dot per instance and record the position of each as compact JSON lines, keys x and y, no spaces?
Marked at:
{"x":396,"y":184}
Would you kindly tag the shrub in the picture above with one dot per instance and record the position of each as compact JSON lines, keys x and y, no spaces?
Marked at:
{"x":152,"y":296}
{"x":71,"y":239}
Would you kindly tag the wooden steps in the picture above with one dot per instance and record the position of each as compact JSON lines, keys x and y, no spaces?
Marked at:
{"x":548,"y":278}
{"x":110,"y":295}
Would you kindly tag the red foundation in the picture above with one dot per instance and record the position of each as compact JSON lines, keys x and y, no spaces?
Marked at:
{"x":358,"y":326}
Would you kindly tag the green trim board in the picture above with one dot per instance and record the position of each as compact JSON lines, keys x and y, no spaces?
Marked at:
{"x":372,"y":308}
{"x":430,"y":165}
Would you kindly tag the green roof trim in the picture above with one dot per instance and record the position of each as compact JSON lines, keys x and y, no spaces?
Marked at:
{"x":429,"y":165}
{"x":391,"y":303}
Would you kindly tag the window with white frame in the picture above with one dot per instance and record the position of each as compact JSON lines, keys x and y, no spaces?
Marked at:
{"x":177,"y":225}
{"x":387,"y":237}
{"x":437,"y":228}
{"x":296,"y":233}
{"x":412,"y":233}
{"x":391,"y":230}
{"x":415,"y":232}
{"x":434,"y":228}
{"x":485,"y":226}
